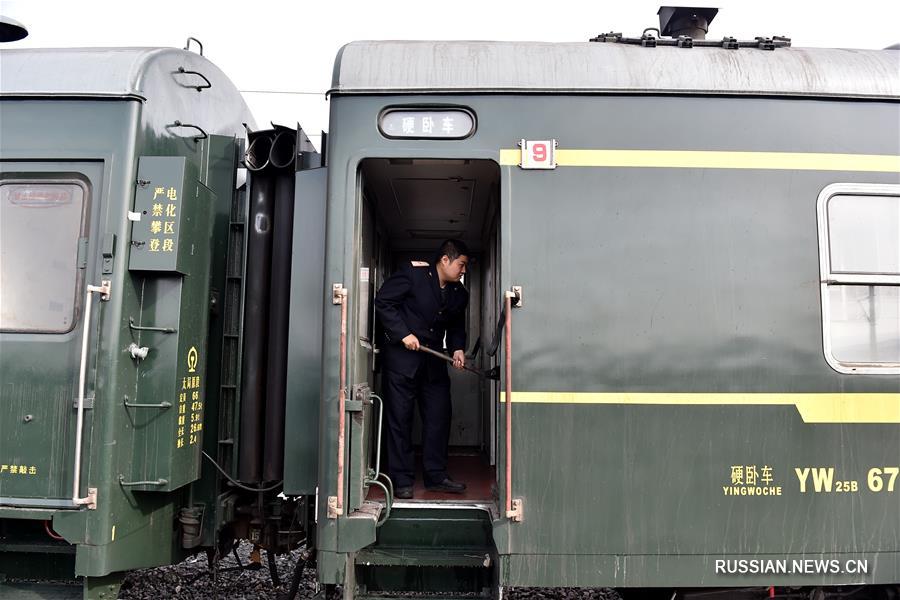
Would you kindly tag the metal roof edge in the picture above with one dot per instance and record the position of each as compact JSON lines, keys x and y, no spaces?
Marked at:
{"x":124,"y":76}
{"x":601,"y":92}
{"x":581,"y":67}
{"x":70,"y":96}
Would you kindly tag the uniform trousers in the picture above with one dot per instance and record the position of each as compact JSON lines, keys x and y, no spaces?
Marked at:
{"x":431,"y":389}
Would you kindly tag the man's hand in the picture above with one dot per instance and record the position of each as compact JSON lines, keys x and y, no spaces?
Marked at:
{"x":411,"y":342}
{"x":459,"y":359}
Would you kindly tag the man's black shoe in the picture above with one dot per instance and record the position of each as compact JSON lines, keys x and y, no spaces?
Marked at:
{"x":404,"y":493}
{"x":447,"y":485}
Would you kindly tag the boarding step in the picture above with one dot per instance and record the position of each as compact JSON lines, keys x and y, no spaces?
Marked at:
{"x":425,"y":557}
{"x":434,"y":551}
{"x":441,"y":526}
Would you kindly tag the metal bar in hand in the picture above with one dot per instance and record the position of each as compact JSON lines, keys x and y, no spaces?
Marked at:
{"x":443,"y":356}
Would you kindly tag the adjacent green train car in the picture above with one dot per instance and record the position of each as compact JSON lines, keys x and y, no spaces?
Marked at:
{"x":119,"y":191}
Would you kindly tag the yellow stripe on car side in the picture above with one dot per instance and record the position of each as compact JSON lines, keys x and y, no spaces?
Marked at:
{"x":813,"y":408}
{"x":704,"y":159}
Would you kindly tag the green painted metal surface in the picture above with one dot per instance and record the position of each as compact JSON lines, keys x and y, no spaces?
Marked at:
{"x":434,"y":557}
{"x":222,"y":154}
{"x":39,"y":371}
{"x":330,"y":567}
{"x":638,"y":280}
{"x":684,"y":570}
{"x":657,"y":280}
{"x":33,"y":514}
{"x":691,"y":281}
{"x":168,"y":410}
{"x":358,"y":529}
{"x":231,"y":238}
{"x":102,"y":588}
{"x":445,"y":527}
{"x":308,"y":300}
{"x":162,"y":203}
{"x":101,"y":142}
{"x":130,"y":528}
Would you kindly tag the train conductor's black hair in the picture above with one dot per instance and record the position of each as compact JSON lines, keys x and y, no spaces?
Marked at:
{"x":453,"y":249}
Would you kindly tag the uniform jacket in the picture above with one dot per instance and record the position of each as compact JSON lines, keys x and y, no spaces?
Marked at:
{"x":410,"y":302}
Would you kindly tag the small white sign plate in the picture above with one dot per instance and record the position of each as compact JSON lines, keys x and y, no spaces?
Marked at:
{"x":538,"y":154}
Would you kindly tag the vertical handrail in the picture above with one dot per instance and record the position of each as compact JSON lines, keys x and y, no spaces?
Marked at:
{"x":342,"y":399}
{"x":378,"y":444}
{"x":508,"y":357}
{"x":102,"y":289}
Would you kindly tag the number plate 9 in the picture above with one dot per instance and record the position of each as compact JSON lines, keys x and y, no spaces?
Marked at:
{"x":538,"y":154}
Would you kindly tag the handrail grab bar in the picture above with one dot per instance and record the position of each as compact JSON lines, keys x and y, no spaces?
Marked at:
{"x":336,"y":502}
{"x":91,"y":499}
{"x":513,"y":507}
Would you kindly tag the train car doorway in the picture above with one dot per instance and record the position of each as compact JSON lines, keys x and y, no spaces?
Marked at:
{"x":408,"y":207}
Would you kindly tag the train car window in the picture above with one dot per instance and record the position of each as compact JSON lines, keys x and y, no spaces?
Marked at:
{"x":864,"y":323}
{"x":40,"y":228}
{"x":860,"y":277}
{"x":863,"y":234}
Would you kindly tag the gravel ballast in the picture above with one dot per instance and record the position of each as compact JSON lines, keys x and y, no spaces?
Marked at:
{"x":190,"y":580}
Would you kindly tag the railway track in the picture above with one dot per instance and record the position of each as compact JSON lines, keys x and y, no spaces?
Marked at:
{"x":191,"y":580}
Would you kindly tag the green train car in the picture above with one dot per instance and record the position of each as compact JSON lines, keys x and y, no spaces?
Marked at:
{"x":121,"y":190}
{"x":686,"y":265}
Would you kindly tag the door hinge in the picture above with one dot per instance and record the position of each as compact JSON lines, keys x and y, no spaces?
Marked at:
{"x":109,"y":252}
{"x":82,"y":256}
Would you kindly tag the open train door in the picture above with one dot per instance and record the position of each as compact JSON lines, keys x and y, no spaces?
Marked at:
{"x":304,"y":369}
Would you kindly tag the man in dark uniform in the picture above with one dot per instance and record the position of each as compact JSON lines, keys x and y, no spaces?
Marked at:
{"x":417,"y":305}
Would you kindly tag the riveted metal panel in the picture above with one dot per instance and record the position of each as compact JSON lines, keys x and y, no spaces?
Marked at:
{"x":174,"y":312}
{"x":165,"y":204}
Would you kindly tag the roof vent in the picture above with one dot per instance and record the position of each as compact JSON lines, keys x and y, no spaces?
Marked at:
{"x":689,"y":21}
{"x":686,"y":27}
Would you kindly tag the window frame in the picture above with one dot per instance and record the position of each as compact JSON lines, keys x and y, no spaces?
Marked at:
{"x":57,"y":178}
{"x":828,"y":278}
